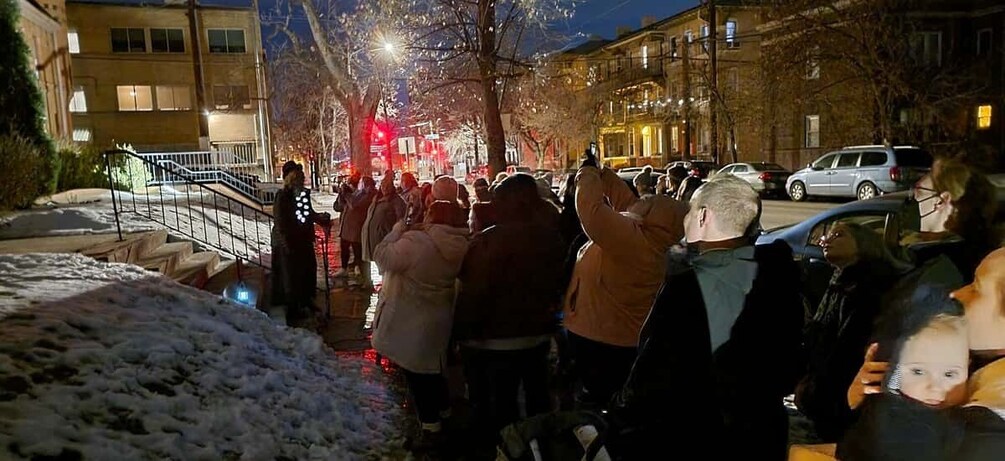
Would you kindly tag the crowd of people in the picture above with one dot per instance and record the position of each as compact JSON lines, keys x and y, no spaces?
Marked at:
{"x":678,"y":330}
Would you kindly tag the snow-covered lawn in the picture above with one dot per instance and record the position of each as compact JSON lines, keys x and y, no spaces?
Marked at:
{"x":111,"y":362}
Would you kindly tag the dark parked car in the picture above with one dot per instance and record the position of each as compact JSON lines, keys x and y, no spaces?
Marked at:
{"x":696,"y":167}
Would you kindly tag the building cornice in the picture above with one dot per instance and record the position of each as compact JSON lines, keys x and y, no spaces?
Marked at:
{"x":37,"y":15}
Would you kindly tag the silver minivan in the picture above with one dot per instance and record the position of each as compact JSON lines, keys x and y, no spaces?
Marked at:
{"x":860,"y":171}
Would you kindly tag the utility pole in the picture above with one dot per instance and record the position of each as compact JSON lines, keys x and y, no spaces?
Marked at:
{"x":200,"y":81}
{"x":713,"y":115}
{"x":687,"y":100}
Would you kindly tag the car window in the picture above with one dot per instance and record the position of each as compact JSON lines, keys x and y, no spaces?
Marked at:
{"x":768,"y":167}
{"x":740,"y":169}
{"x":912,"y":157}
{"x":875,"y":222}
{"x":825,"y":161}
{"x":873,"y":158}
{"x":727,"y":170}
{"x":847,"y":160}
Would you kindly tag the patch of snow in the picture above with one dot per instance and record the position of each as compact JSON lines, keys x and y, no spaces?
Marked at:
{"x":112,"y":362}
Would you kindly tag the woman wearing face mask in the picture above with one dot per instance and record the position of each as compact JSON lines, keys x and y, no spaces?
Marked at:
{"x":840,"y":329}
{"x":294,"y":268}
{"x":957,"y":208}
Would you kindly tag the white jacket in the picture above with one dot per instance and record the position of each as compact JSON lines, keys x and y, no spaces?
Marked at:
{"x":416,"y":306}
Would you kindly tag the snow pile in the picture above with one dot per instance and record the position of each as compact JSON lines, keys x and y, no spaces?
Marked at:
{"x":108,"y":361}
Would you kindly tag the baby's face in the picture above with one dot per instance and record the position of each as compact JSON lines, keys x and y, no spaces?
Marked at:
{"x":933,"y":368}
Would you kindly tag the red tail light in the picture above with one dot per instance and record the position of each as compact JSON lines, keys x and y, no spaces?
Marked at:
{"x":895,"y":175}
{"x":766,"y":176}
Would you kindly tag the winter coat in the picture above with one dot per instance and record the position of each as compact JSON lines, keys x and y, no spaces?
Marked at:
{"x":892,"y":427}
{"x":294,"y":267}
{"x":618,"y":273}
{"x":835,"y":341}
{"x":415,"y":310}
{"x":729,"y":400}
{"x":383,"y":213}
{"x":354,"y":214}
{"x":510,"y":282}
{"x":413,"y":204}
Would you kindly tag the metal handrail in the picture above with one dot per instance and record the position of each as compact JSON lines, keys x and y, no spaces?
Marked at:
{"x":238,"y":237}
{"x":260,"y":196}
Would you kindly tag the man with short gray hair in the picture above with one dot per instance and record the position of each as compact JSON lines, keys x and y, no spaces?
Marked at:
{"x":717,"y":353}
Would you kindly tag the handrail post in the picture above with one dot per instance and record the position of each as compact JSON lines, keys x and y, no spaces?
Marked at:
{"x":111,"y":191}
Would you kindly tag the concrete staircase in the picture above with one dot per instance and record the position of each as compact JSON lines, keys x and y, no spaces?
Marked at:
{"x":181,"y":260}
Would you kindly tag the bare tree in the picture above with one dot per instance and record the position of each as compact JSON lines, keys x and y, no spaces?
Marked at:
{"x":482,"y":42}
{"x":352,"y":42}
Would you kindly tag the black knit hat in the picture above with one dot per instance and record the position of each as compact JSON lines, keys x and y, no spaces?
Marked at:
{"x":290,"y":166}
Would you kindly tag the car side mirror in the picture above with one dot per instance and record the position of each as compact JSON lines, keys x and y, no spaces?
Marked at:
{"x":815,"y":167}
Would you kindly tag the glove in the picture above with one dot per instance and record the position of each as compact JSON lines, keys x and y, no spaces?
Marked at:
{"x":589,"y":160}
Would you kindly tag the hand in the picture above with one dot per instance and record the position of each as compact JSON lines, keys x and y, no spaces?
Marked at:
{"x":589,"y":160}
{"x":661,"y":186}
{"x":869,"y":379}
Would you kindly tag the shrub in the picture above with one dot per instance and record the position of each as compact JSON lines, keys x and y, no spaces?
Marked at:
{"x":20,"y":163}
{"x":81,"y":167}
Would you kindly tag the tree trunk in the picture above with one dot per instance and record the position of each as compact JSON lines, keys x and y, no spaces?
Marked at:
{"x":359,"y":137}
{"x":495,"y":136}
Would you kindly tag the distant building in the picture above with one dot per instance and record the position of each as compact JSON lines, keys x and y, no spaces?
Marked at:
{"x":43,"y":26}
{"x":134,"y":79}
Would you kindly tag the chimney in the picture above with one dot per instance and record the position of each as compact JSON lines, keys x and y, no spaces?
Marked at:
{"x":623,"y":30}
{"x":648,"y":21}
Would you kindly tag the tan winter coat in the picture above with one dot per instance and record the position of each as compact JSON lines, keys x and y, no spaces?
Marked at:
{"x":416,"y":306}
{"x":620,"y":270}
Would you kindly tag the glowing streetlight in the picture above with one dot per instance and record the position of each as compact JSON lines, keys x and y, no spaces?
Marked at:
{"x":389,"y":47}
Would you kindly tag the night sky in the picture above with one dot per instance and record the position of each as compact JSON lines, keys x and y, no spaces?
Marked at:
{"x":601,"y":17}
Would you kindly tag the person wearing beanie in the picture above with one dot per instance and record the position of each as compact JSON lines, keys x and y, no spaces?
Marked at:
{"x":644,"y":181}
{"x":293,"y":264}
{"x":445,"y":188}
{"x":384,"y":212}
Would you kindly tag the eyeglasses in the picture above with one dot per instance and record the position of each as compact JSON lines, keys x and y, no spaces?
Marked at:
{"x":917,"y":189}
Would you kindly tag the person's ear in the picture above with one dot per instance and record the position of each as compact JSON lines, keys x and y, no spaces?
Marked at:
{"x":944,"y":199}
{"x":702,"y":216}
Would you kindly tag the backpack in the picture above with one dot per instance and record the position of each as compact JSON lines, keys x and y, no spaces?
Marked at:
{"x":555,"y":436}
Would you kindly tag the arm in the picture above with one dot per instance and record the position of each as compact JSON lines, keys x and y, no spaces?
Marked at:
{"x":284,"y":219}
{"x":616,"y":190}
{"x":397,"y":252}
{"x":605,"y":226}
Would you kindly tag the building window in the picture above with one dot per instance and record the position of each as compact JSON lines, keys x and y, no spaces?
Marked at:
{"x":129,"y":41}
{"x":731,"y":39}
{"x":689,"y":36}
{"x":82,"y":134}
{"x":984,"y":42}
{"x":78,"y":102}
{"x":230,"y":97}
{"x":673,"y":47}
{"x":645,"y":56}
{"x":134,"y":98}
{"x":926,"y":48}
{"x":167,"y":41}
{"x":226,"y":41}
{"x":704,"y":38}
{"x":73,"y":41}
{"x":813,"y":64}
{"x":984,"y":117}
{"x":173,"y":98}
{"x":812,"y":131}
{"x":733,"y":79}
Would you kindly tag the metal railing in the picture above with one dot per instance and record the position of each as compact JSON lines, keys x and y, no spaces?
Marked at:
{"x":231,"y":169}
{"x":185,"y":205}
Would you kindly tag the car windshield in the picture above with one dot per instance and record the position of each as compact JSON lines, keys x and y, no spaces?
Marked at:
{"x":913,"y":157}
{"x":767,"y":167}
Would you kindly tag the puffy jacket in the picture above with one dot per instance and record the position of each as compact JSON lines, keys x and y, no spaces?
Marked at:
{"x":415,"y":309}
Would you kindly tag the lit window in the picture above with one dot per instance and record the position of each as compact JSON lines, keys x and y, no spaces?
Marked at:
{"x":226,"y":41}
{"x":984,"y":116}
{"x":82,"y":134}
{"x":134,"y":98}
{"x":78,"y":102}
{"x":813,"y":64}
{"x":173,"y":98}
{"x":73,"y":41}
{"x":812,"y":131}
{"x":645,"y":56}
{"x":731,"y":40}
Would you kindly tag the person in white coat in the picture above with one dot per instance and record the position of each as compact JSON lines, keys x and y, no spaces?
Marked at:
{"x":415,"y":309}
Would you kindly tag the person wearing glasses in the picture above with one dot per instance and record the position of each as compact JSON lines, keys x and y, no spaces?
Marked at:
{"x":957,"y":208}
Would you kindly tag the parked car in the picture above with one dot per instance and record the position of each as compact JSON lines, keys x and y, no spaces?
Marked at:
{"x":696,"y":167}
{"x":765,"y":178}
{"x":860,"y":171}
{"x":514,"y":169}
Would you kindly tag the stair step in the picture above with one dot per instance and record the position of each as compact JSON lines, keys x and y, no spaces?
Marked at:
{"x":166,"y":258}
{"x":195,"y":267}
{"x":116,"y":251}
{"x":151,"y":241}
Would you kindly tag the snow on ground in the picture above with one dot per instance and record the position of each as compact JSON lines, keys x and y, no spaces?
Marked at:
{"x":108,"y":361}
